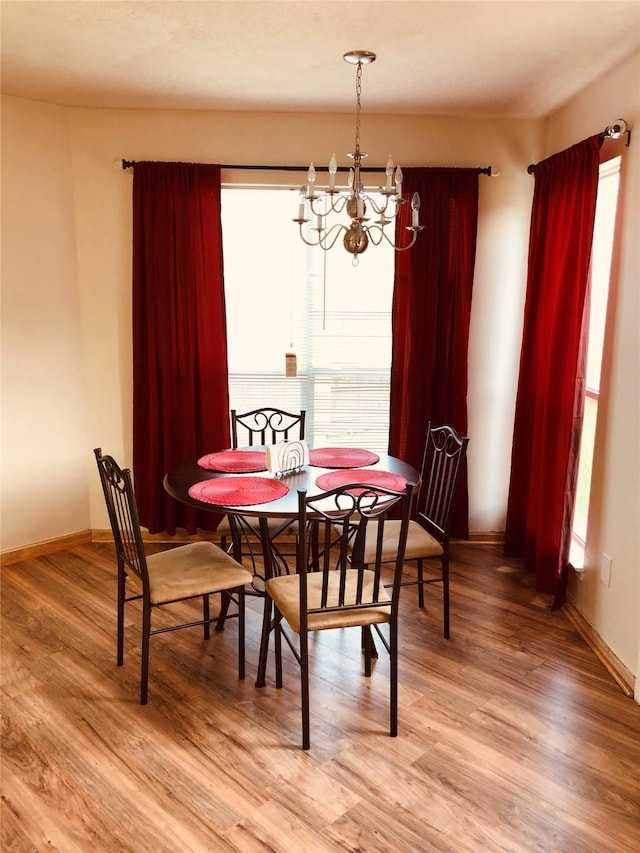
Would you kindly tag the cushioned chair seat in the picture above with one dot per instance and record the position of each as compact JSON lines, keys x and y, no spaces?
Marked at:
{"x":191,"y":570}
{"x":285,"y":591}
{"x":420,"y":544}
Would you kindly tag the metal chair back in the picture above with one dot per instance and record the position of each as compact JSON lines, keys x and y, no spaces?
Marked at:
{"x":123,"y":516}
{"x":266,"y":426}
{"x":442,"y":465}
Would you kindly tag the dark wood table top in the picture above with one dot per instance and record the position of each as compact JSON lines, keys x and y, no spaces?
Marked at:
{"x":179,"y":480}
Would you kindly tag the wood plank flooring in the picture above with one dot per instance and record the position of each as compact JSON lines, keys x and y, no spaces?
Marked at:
{"x":512,"y":736}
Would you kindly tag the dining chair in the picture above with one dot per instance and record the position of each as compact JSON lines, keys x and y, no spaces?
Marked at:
{"x":333,"y":588}
{"x":196,"y":570}
{"x":261,"y":426}
{"x":429,"y":530}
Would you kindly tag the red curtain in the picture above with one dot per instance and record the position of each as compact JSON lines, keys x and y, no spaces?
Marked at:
{"x":180,"y":384}
{"x":431,"y":312}
{"x":560,"y":239}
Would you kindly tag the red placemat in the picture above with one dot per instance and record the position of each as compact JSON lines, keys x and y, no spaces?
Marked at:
{"x":235,"y":461}
{"x":342,"y":457}
{"x":333,"y":479}
{"x":238,"y":491}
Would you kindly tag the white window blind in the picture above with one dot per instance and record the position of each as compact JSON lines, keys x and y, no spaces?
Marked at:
{"x":283,"y":296}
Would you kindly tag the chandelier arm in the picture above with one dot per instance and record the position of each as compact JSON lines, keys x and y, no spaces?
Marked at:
{"x":338,"y":228}
{"x":322,"y":240}
{"x":337,"y":206}
{"x":413,"y":240}
{"x":371,"y":231}
{"x":384,"y":234}
{"x":376,"y":207}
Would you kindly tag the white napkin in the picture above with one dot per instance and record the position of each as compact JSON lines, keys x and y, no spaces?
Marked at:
{"x":287,"y":456}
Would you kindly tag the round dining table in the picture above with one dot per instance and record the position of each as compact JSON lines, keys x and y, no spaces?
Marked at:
{"x":255,"y":493}
{"x":181,"y":482}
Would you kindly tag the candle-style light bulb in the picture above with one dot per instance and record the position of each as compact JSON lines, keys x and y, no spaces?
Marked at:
{"x":360,"y":204}
{"x":398,"y":182}
{"x":333,"y":168}
{"x":301,"y":200}
{"x":415,"y":210}
{"x":311,"y":179}
{"x":389,"y":173}
{"x":350,"y":179}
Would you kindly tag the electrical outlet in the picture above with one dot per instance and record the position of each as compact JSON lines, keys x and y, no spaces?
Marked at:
{"x":605,"y":569}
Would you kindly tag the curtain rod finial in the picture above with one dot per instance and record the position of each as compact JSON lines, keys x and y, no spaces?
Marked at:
{"x":616,"y":129}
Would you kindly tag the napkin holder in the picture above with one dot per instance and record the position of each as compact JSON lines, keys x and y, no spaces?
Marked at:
{"x":286,"y":457}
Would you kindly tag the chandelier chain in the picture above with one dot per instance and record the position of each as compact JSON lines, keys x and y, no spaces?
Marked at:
{"x":358,"y":93}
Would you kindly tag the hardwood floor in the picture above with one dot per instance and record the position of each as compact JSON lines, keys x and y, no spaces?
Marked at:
{"x":512,"y":735}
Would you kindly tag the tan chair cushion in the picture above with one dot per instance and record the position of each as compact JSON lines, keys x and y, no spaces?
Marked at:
{"x":191,"y":570}
{"x":285,"y":591}
{"x":420,"y":544}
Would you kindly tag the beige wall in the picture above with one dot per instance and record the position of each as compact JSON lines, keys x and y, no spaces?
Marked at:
{"x":88,"y":327}
{"x":44,"y":436}
{"x":614,"y":516}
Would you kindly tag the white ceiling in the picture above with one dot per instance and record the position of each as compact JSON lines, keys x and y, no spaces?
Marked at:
{"x":441,"y":57}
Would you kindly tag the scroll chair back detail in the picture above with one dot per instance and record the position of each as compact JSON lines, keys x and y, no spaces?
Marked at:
{"x":334,"y":588}
{"x":266,"y":426}
{"x":197,"y":570}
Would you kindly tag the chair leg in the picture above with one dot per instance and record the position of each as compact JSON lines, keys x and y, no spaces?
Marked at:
{"x":264,"y":642}
{"x":241,"y":640}
{"x":368,"y":646}
{"x":122,"y":578}
{"x":146,"y":632}
{"x":372,"y":644}
{"x":278,"y":646}
{"x":205,"y":617}
{"x":235,"y":548}
{"x":445,"y":593}
{"x":393,"y":668}
{"x":304,"y":681}
{"x":224,"y":607}
{"x":420,"y":584}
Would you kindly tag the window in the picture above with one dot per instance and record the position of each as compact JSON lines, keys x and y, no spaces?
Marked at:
{"x":283,"y":296}
{"x":599,"y":282}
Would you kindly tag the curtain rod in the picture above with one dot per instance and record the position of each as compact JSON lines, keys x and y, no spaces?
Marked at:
{"x":129,"y":164}
{"x":615,"y":130}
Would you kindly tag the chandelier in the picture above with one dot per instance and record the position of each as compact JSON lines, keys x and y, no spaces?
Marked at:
{"x":363,"y":228}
